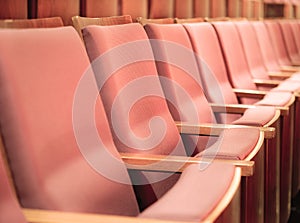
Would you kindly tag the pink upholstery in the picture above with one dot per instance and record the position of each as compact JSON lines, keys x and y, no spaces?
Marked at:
{"x":37,"y":97}
{"x":289,"y":41}
{"x":10,"y":210}
{"x":296,"y":30}
{"x":216,"y":179}
{"x":38,"y":128}
{"x":268,"y":52}
{"x":161,"y":9}
{"x":184,"y":9}
{"x":103,"y":8}
{"x":235,"y":58}
{"x":135,"y":8}
{"x":124,"y":72}
{"x":278,"y":42}
{"x":32,"y":23}
{"x":254,"y":58}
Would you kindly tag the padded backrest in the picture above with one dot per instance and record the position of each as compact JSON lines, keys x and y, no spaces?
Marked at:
{"x":278,"y":42}
{"x":296,"y":29}
{"x":268,"y":53}
{"x":180,"y":79}
{"x":62,"y":156}
{"x":184,"y":9}
{"x":101,"y":8}
{"x":202,"y":8}
{"x":237,"y":67}
{"x":10,"y":210}
{"x":133,"y":99}
{"x":289,"y":40}
{"x":32,"y":23}
{"x":252,"y":50}
{"x":130,"y":89}
{"x":80,"y":22}
{"x":161,"y":9}
{"x":135,"y":8}
{"x":213,"y":70}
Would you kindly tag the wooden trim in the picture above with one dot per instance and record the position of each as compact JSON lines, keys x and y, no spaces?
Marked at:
{"x":266,"y":83}
{"x":216,"y":129}
{"x":178,"y":163}
{"x":250,"y":93}
{"x":230,"y":108}
{"x":290,"y":68}
{"x":280,"y":75}
{"x":45,"y":216}
{"x":233,"y":190}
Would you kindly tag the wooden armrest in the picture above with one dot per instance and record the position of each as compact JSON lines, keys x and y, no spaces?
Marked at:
{"x":177,"y":163}
{"x":290,"y":69}
{"x":280,"y":75}
{"x":216,"y":129}
{"x":230,"y":108}
{"x":259,"y":95}
{"x":250,"y":93}
{"x":45,"y":216}
{"x":266,"y":83}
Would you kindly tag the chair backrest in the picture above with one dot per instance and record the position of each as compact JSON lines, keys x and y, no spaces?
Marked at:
{"x":178,"y":70}
{"x":234,"y":56}
{"x":102,"y":8}
{"x":10,"y":210}
{"x":53,"y":148}
{"x":268,"y":53}
{"x":161,"y":9}
{"x":80,"y":22}
{"x":135,"y":8}
{"x":184,"y":9}
{"x":132,"y":96}
{"x":289,"y":40}
{"x":278,"y":42}
{"x":32,"y":23}
{"x":252,"y":50}
{"x":296,"y":29}
{"x":213,"y":70}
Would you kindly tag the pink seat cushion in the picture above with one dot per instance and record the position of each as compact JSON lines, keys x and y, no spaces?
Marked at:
{"x":193,"y":204}
{"x":236,"y":143}
{"x":276,"y":99}
{"x":258,"y":116}
{"x":290,"y":85}
{"x":40,"y":72}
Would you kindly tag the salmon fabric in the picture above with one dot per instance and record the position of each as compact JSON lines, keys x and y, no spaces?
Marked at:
{"x":40,"y":71}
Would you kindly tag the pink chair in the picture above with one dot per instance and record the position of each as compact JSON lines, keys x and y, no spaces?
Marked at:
{"x":62,"y":155}
{"x":279,"y":44}
{"x":32,"y":23}
{"x":161,"y":9}
{"x":135,"y":8}
{"x":184,"y":72}
{"x":137,"y":74}
{"x":184,"y":9}
{"x":289,"y":40}
{"x":240,"y":77}
{"x":213,"y":73}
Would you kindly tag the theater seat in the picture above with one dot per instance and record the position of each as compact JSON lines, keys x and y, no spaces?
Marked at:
{"x":131,"y":88}
{"x":32,"y":23}
{"x":213,"y":73}
{"x":62,"y":155}
{"x":80,"y":22}
{"x":240,"y":77}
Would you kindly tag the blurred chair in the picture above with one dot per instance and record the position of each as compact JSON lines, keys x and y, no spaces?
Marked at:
{"x":190,"y":20}
{"x":32,"y":23}
{"x":240,"y":77}
{"x":80,"y":22}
